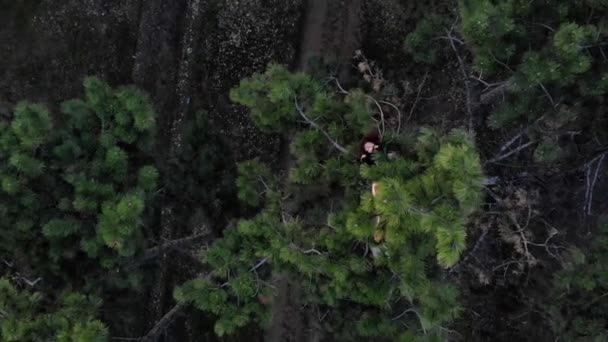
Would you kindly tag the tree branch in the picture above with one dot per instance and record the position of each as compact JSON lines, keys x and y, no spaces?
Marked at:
{"x":316,"y":126}
{"x":152,"y":253}
{"x":409,"y":117}
{"x":506,"y":155}
{"x":590,"y":182}
{"x":163,"y":323}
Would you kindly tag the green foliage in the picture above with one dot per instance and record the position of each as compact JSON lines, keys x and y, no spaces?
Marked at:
{"x":251,"y":182}
{"x":548,"y":151}
{"x":422,"y":44}
{"x":272,"y":96}
{"x":493,"y":28}
{"x":424,"y":196}
{"x":24,"y":317}
{"x":76,"y":183}
{"x":199,"y":176}
{"x":550,"y":54}
{"x":578,"y":305}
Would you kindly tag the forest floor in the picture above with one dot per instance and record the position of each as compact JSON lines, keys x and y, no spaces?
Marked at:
{"x":187,"y":54}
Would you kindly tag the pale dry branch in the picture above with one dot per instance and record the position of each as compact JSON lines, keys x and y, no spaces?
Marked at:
{"x":548,"y":95}
{"x":508,"y":154}
{"x":591,"y":180}
{"x":382,"y":126}
{"x":317,"y":127}
{"x":163,"y":323}
{"x":459,"y":41}
{"x":409,"y":117}
{"x":259,"y":264}
{"x":412,"y":310}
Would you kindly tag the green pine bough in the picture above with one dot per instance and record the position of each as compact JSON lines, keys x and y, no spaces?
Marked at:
{"x":548,"y":59}
{"x":29,"y":317}
{"x":426,"y":187}
{"x":577,"y":305}
{"x":75,"y":184}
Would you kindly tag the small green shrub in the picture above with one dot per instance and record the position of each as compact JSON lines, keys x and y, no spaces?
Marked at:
{"x":422,"y":43}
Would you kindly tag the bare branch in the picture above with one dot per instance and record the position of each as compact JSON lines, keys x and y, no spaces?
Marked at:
{"x":548,"y":95}
{"x":413,"y":311}
{"x":510,"y":142}
{"x":153,"y":252}
{"x":546,"y":26}
{"x":259,"y":264}
{"x":382,"y":128}
{"x":316,"y":126}
{"x":590,"y":182}
{"x":409,"y":117}
{"x":506,"y":155}
{"x":163,"y":323}
{"x":342,"y":90}
{"x":450,"y":38}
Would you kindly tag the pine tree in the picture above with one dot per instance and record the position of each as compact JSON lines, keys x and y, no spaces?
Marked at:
{"x":577,"y":304}
{"x":422,"y":44}
{"x":550,"y":56}
{"x":24,"y":317}
{"x":75,"y":184}
{"x":426,"y":187}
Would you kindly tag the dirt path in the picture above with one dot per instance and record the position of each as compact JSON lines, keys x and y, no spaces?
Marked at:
{"x":330,"y":32}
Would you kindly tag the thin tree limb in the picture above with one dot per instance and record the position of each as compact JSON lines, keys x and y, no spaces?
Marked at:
{"x":316,"y":126}
{"x":163,"y":323}
{"x":153,"y":252}
{"x":259,"y":264}
{"x":590,"y":182}
{"x":548,"y":95}
{"x":413,"y":311}
{"x":506,"y":155}
{"x":409,"y":117}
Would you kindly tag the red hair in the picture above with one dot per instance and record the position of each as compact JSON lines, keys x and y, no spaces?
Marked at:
{"x":373,"y":137}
